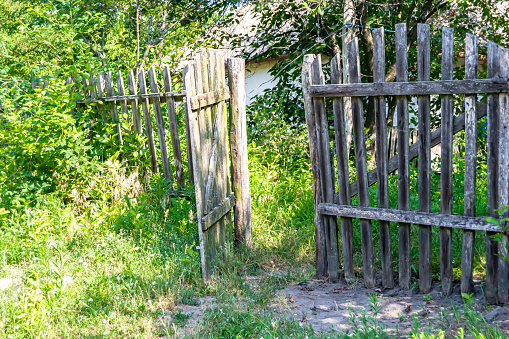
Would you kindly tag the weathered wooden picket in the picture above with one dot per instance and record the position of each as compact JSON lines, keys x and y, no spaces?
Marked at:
{"x":330,"y":205}
{"x":205,"y":97}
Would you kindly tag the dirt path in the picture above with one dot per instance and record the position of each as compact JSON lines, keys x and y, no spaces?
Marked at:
{"x":329,"y":307}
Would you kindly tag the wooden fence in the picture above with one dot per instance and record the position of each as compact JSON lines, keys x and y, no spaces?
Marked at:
{"x":210,"y":135}
{"x":330,"y":204}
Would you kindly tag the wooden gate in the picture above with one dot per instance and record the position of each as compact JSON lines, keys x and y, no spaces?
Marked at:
{"x":210,"y":136}
{"x":330,"y":204}
{"x":206,"y":107}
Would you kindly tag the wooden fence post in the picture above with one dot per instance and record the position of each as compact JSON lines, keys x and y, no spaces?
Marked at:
{"x":321,"y":254}
{"x":238,"y":149}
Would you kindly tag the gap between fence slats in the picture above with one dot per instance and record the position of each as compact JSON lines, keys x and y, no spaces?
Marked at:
{"x":342,"y":166}
{"x":382,"y":157}
{"x":361,"y":166}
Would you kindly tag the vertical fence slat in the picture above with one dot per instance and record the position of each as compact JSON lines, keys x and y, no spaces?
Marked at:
{"x":326,"y":180}
{"x":361,"y":165}
{"x":113,"y":105}
{"x":503,"y":179}
{"x":194,"y":150}
{"x":161,"y":130}
{"x":342,"y":165}
{"x":222,"y":142}
{"x":492,"y":177}
{"x":131,"y":87}
{"x":174,"y":131}
{"x":446,"y":195}
{"x":423,"y":74}
{"x":403,"y":157}
{"x":149,"y":130}
{"x":321,"y":253}
{"x":100,"y":94}
{"x":121,"y":92}
{"x":467,"y":257}
{"x":382,"y":157}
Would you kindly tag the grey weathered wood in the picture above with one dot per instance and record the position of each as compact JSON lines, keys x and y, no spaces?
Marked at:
{"x":100,"y":94}
{"x":161,"y":130}
{"x":131,"y":87}
{"x":427,"y":87}
{"x":195,"y":150}
{"x":503,"y":177}
{"x":210,"y":98}
{"x":361,"y":166}
{"x":149,"y":130}
{"x":423,"y":74}
{"x":326,"y":179}
{"x":112,"y":106}
{"x":177,"y":96}
{"x":414,"y":217}
{"x":224,"y":166}
{"x":174,"y":131}
{"x":238,"y":147}
{"x":340,"y":131}
{"x":320,"y":246}
{"x":491,"y":288}
{"x":413,"y":151}
{"x":382,"y":157}
{"x":218,"y":212}
{"x":121,"y":92}
{"x":446,"y":192}
{"x":403,"y":157}
{"x":467,"y":257}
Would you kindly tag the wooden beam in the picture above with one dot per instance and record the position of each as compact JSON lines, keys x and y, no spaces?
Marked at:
{"x":442,"y":87}
{"x":209,"y":98}
{"x":178,"y":95}
{"x":410,"y":217}
{"x":218,"y":212}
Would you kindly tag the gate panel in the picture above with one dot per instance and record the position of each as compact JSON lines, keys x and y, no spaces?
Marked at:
{"x":206,"y":109}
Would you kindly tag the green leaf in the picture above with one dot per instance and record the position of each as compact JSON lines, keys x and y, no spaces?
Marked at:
{"x":492,"y":220}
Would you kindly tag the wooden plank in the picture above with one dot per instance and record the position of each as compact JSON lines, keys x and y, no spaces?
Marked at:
{"x":467,"y":257}
{"x":189,"y":74}
{"x":446,"y":191}
{"x":149,"y":130}
{"x":403,"y":157}
{"x":218,"y":212}
{"x":177,"y":96}
{"x":131,"y":87}
{"x":326,"y":179}
{"x":320,"y":246}
{"x":174,"y":131}
{"x":382,"y":157}
{"x":219,"y":77}
{"x":100,"y":94}
{"x":424,"y":176}
{"x":413,"y":152}
{"x":112,"y":106}
{"x":161,"y":130}
{"x":340,"y":131}
{"x":121,"y":92}
{"x":503,"y":178}
{"x":409,"y":217}
{"x":491,"y":288}
{"x":238,"y":147}
{"x":210,"y":98}
{"x":449,"y":87}
{"x":361,"y":166}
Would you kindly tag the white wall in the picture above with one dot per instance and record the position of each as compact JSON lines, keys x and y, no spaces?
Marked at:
{"x":258,"y":78}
